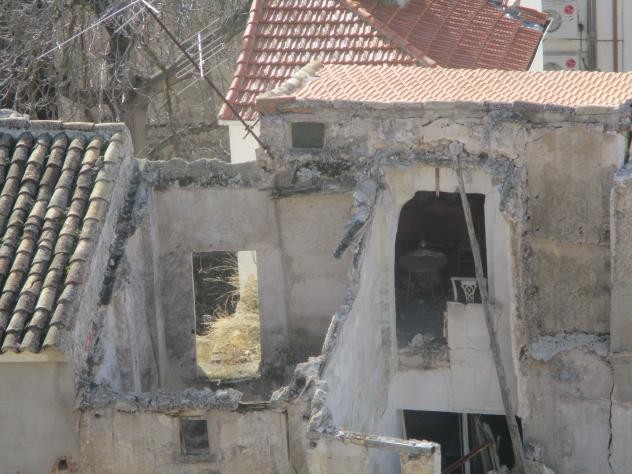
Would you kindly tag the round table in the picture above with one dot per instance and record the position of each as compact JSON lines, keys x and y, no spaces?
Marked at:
{"x":423,"y":262}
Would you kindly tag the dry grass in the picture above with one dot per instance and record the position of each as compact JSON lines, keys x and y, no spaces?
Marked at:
{"x":231,"y":348}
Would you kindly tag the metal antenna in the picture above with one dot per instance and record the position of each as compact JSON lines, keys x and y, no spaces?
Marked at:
{"x":208,"y":45}
{"x":189,"y":57}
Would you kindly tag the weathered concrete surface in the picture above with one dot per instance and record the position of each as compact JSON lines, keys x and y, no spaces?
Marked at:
{"x":621,"y":243}
{"x":333,"y":456}
{"x":572,"y":292}
{"x":364,"y":354}
{"x":119,"y":442}
{"x":128,"y":356}
{"x":207,"y":206}
{"x":549,"y":172}
{"x":568,"y":412}
{"x":311,"y":226}
{"x":345,"y":451}
{"x":36,"y":415}
{"x":193,"y":219}
{"x":421,"y":464}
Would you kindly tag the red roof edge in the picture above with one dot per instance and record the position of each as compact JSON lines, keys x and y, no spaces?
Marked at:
{"x":246,"y":50}
{"x":389,"y":33}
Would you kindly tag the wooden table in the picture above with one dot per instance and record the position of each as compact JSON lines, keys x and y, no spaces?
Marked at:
{"x":425,"y":263}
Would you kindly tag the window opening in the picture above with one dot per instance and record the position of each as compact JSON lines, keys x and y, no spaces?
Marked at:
{"x":194,"y":437}
{"x":308,"y":135}
{"x":460,"y":434}
{"x":227,"y":323}
{"x":434,"y":264}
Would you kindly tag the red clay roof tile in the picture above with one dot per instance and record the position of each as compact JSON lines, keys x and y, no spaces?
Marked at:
{"x":283,"y":35}
{"x":47,"y":188}
{"x":417,"y":85}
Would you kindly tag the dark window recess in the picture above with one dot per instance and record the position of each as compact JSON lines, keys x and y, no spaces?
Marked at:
{"x":215,"y":286}
{"x":308,"y":135}
{"x":194,"y":437}
{"x":448,"y":429}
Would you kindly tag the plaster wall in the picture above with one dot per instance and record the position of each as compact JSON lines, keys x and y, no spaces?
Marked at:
{"x":300,"y":283}
{"x":311,"y":226}
{"x":364,"y":356}
{"x":569,"y":403}
{"x":214,"y":219}
{"x":129,"y":352}
{"x":570,"y":175}
{"x":621,"y":332}
{"x":36,"y":416}
{"x":469,"y":384}
{"x":120,"y":442}
{"x":551,"y":172}
{"x":621,"y":243}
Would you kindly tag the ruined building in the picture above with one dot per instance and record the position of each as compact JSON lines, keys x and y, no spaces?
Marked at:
{"x":362,"y":353}
{"x":284,"y":35}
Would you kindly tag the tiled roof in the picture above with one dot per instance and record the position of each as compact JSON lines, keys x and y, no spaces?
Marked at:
{"x":460,"y":33}
{"x":417,"y":85}
{"x":283,"y":35}
{"x":56,"y":186}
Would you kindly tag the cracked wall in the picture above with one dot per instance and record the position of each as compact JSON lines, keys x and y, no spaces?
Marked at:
{"x":564,"y":161}
{"x":203,"y":206}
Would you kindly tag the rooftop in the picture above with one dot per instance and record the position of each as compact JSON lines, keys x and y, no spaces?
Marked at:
{"x":410,"y":84}
{"x":56,"y":182}
{"x":283,"y":35}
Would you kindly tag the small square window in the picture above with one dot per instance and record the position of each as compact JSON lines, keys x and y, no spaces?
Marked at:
{"x":308,"y":135}
{"x":194,"y":437}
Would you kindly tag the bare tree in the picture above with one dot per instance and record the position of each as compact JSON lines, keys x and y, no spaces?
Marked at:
{"x":124,"y":69}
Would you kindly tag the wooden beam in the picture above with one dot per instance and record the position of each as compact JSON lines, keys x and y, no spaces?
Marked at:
{"x":516,"y":442}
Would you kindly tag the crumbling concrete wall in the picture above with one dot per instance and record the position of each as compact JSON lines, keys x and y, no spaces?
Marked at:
{"x":82,"y":334}
{"x":38,"y":419}
{"x":311,"y":226}
{"x":361,"y":354}
{"x":209,"y":206}
{"x":204,"y":220}
{"x":128,"y":356}
{"x":115,"y":441}
{"x":621,"y":329}
{"x":552,"y":170}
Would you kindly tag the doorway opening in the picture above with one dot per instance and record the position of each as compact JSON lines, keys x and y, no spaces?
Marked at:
{"x":460,"y":434}
{"x":227,"y":326}
{"x":433,"y":256}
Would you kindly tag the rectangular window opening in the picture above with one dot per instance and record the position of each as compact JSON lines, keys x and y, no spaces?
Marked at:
{"x":194,"y":437}
{"x":227,"y":323}
{"x":308,"y":135}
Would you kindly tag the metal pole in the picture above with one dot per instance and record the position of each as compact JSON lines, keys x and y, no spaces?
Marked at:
{"x":514,"y":433}
{"x":186,"y":54}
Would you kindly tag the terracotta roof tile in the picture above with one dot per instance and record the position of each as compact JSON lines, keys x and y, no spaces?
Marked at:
{"x":460,"y":33}
{"x":284,"y":35}
{"x":50,"y":188}
{"x":417,"y":85}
